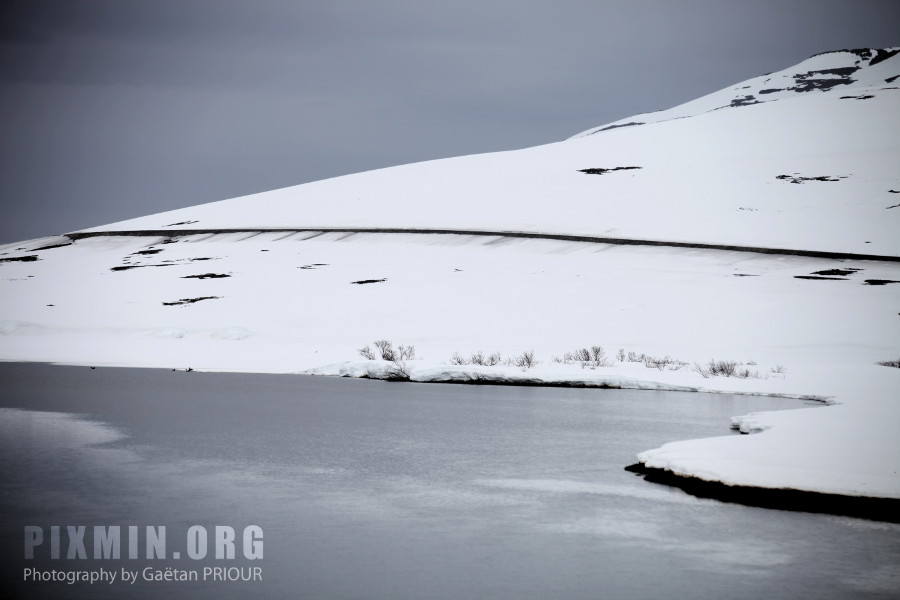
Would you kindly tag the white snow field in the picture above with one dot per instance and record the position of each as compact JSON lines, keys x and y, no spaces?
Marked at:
{"x":805,"y":160}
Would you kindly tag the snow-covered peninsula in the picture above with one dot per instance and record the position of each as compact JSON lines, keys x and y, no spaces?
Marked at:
{"x":748,"y":241}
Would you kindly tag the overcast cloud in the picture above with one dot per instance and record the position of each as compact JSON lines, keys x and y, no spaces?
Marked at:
{"x":112,"y":109}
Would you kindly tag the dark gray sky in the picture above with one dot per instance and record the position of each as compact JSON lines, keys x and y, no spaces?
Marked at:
{"x":112,"y":109}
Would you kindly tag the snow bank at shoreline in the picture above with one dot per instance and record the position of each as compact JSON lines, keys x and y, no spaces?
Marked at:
{"x":629,"y":376}
{"x":840,"y":449}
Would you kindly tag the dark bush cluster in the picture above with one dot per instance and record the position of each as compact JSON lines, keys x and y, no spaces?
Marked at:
{"x":652,"y":362}
{"x":477,"y":358}
{"x":525,"y":360}
{"x":386,"y":351}
{"x":729,"y":368}
{"x":593,"y":358}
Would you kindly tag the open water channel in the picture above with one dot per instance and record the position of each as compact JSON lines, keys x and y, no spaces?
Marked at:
{"x":374,"y":490}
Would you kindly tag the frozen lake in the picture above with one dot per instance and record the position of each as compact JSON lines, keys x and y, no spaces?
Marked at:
{"x":368,"y":489}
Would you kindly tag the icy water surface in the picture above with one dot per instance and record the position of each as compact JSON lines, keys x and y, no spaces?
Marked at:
{"x":367,"y":489}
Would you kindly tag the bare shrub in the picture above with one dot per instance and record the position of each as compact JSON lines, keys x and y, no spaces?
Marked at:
{"x":525,"y":360}
{"x":399,"y":371}
{"x":664,"y":363}
{"x":593,"y":357}
{"x":598,"y":356}
{"x":386,"y":348}
{"x":582,"y":355}
{"x":746,"y":373}
{"x":386,"y":351}
{"x":652,"y":362}
{"x":621,"y":355}
{"x":779,"y":370}
{"x":889,"y":363}
{"x":477,"y":358}
{"x":659,"y":363}
{"x":724,"y":368}
{"x":494,"y":359}
{"x":727,"y":368}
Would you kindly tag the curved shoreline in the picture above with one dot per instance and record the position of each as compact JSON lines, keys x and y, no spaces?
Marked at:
{"x":861,"y":507}
{"x":871,"y":508}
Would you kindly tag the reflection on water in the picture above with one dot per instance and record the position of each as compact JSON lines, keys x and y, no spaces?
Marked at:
{"x":376,"y":490}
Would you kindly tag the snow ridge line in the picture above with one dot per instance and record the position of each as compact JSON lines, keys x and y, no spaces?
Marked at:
{"x":78,"y":235}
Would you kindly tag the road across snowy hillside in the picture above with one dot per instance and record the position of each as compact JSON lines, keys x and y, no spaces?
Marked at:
{"x":510,"y":234}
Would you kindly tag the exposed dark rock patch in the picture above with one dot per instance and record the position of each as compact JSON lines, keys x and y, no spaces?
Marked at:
{"x":839,"y":71}
{"x":863,"y":53}
{"x":894,"y":191}
{"x":313,"y":266}
{"x":190,"y":260}
{"x":599,"y":171}
{"x":892,"y":79}
{"x":127,"y":267}
{"x":745,"y":101}
{"x":838,"y":272}
{"x":631,"y":124}
{"x":29,"y":258}
{"x":796,"y":178}
{"x":149,"y":252}
{"x":863,"y":97}
{"x":863,"y":507}
{"x":366,"y":281}
{"x":744,"y":275}
{"x":894,"y":206}
{"x":207,"y":276}
{"x":181,"y":223}
{"x":820,"y":84}
{"x":819,"y":277}
{"x":185,"y":301}
{"x":52,"y":246}
{"x":882,"y":55}
{"x":822,"y":79}
{"x":879,"y":281}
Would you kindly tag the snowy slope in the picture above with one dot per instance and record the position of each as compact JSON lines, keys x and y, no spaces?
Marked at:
{"x":810,"y":168}
{"x":709,"y":173}
{"x":849,"y":73}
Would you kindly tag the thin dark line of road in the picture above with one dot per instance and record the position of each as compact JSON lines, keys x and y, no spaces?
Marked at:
{"x":475,"y":232}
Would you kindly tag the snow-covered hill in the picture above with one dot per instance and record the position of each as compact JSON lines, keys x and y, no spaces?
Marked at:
{"x":531,"y":256}
{"x":808,"y":166}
